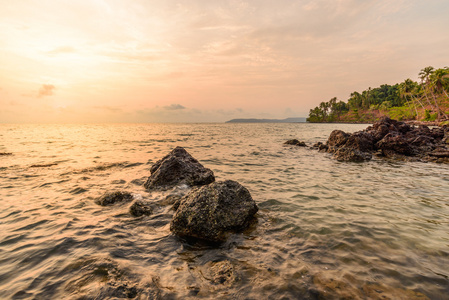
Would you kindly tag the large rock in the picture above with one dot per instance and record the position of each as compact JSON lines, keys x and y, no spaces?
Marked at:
{"x":178,"y":167}
{"x":361,"y":141}
{"x":210,"y":212}
{"x":395,"y":143}
{"x":337,"y":138}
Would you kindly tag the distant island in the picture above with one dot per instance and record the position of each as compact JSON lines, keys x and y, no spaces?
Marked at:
{"x":288,"y":120}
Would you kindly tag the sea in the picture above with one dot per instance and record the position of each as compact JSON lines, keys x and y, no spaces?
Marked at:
{"x":324,"y":230}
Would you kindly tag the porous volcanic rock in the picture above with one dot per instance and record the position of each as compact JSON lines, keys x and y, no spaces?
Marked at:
{"x":392,"y":139}
{"x":210,"y":212}
{"x":114,"y":197}
{"x":348,"y":154}
{"x":337,"y":138}
{"x":178,"y":167}
{"x":395,"y":143}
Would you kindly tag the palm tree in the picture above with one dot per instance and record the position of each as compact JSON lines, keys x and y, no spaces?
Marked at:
{"x":440,"y":79}
{"x":405,"y":89}
{"x":424,"y":75}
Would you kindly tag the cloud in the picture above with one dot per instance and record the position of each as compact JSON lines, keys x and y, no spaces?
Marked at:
{"x":46,"y":90}
{"x":107,"y":108}
{"x":174,"y":107}
{"x":61,"y":50}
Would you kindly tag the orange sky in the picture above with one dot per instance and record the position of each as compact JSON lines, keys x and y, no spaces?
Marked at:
{"x":206,"y":61}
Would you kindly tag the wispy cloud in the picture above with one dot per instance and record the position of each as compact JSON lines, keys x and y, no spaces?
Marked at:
{"x":46,"y":90}
{"x":107,"y":108}
{"x":174,"y":107}
{"x":61,"y":50}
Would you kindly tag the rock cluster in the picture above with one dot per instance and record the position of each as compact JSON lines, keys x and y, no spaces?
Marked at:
{"x":178,"y":167}
{"x":390,"y":138}
{"x":210,"y":210}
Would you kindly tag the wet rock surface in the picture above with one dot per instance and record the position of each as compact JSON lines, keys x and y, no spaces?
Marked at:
{"x":348,"y":154}
{"x":392,"y":139}
{"x":178,"y":167}
{"x":211,"y":211}
{"x":295,"y":142}
{"x":141,"y":208}
{"x":114,"y":197}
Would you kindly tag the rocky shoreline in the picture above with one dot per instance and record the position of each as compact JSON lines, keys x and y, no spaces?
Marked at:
{"x":390,"y":139}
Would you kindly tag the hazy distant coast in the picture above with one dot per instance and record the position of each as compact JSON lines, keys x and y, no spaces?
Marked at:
{"x":288,"y":120}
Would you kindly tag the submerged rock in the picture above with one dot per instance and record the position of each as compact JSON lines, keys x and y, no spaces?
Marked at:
{"x":295,"y":142}
{"x":140,"y":208}
{"x":43,"y":165}
{"x":223,"y":272}
{"x":178,"y":167}
{"x":114,"y":197}
{"x":210,"y":212}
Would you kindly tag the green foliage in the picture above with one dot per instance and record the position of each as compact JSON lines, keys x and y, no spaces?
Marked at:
{"x":430,"y":117}
{"x":327,"y":111}
{"x":400,"y":101}
{"x":385,"y":105}
{"x":401,"y":113}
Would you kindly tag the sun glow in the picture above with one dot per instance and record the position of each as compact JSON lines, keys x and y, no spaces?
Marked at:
{"x":138,"y":60}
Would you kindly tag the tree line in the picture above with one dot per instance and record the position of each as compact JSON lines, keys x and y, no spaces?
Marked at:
{"x":426,"y":99}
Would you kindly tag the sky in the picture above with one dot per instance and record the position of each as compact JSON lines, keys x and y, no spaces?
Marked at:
{"x":134,"y":61}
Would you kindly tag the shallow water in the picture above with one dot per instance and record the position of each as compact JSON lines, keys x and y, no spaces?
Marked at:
{"x":325,"y":229}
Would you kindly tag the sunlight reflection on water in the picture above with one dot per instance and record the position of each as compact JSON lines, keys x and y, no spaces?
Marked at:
{"x":324,"y":229}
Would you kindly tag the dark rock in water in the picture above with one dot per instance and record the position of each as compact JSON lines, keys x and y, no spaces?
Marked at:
{"x":348,"y":154}
{"x":361,"y":141}
{"x":178,"y":167}
{"x":123,"y":291}
{"x":43,"y":165}
{"x":295,"y":142}
{"x":320,"y":146}
{"x":337,"y":138}
{"x":171,"y":199}
{"x":174,"y":200}
{"x":210,"y":212}
{"x":140,"y":208}
{"x":440,"y":153}
{"x":114,"y":197}
{"x":391,"y":139}
{"x":323,"y":147}
{"x":395,"y":143}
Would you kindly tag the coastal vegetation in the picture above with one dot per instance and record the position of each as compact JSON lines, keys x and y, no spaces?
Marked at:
{"x":423,"y":100}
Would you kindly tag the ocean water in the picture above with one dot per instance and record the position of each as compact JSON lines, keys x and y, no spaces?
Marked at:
{"x":324,"y":230}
